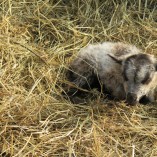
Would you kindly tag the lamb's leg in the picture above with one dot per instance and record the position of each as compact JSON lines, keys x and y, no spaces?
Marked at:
{"x":81,"y":76}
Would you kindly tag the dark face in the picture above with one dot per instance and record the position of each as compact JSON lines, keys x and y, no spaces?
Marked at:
{"x":139,"y":76}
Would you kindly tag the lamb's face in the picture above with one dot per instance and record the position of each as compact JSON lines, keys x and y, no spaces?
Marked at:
{"x":139,"y":72}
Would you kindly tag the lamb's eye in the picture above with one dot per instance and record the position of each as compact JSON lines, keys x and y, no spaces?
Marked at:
{"x":146,"y":79}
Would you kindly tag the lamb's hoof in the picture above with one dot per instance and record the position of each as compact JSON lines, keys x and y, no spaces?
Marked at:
{"x":144,"y":100}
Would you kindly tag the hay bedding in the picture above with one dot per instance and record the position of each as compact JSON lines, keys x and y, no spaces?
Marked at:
{"x":38,"y":39}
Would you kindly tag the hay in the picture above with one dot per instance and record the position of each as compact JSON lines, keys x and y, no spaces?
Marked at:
{"x":38,"y":39}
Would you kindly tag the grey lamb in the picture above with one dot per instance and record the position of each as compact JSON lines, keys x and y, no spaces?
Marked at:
{"x":122,"y":70}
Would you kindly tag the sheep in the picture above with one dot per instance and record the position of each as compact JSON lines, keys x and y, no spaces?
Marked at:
{"x":121,"y":70}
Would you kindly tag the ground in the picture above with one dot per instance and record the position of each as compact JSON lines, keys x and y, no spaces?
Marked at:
{"x":38,"y":40}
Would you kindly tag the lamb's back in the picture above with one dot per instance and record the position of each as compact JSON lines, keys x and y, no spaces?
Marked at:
{"x":97,"y":55}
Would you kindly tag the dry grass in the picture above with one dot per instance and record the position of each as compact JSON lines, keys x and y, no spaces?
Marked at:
{"x":38,"y":39}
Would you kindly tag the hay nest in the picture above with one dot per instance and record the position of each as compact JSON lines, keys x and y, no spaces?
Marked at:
{"x":38,"y":39}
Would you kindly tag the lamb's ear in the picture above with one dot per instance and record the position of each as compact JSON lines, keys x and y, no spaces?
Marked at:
{"x":119,"y":61}
{"x":156,"y":66}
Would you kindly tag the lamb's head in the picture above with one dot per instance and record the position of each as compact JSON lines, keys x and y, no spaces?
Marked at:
{"x":140,"y":76}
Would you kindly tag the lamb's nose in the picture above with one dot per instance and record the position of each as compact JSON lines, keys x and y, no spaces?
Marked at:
{"x":131,"y":98}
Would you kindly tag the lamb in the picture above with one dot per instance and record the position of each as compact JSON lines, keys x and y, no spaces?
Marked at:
{"x":121,"y":70}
